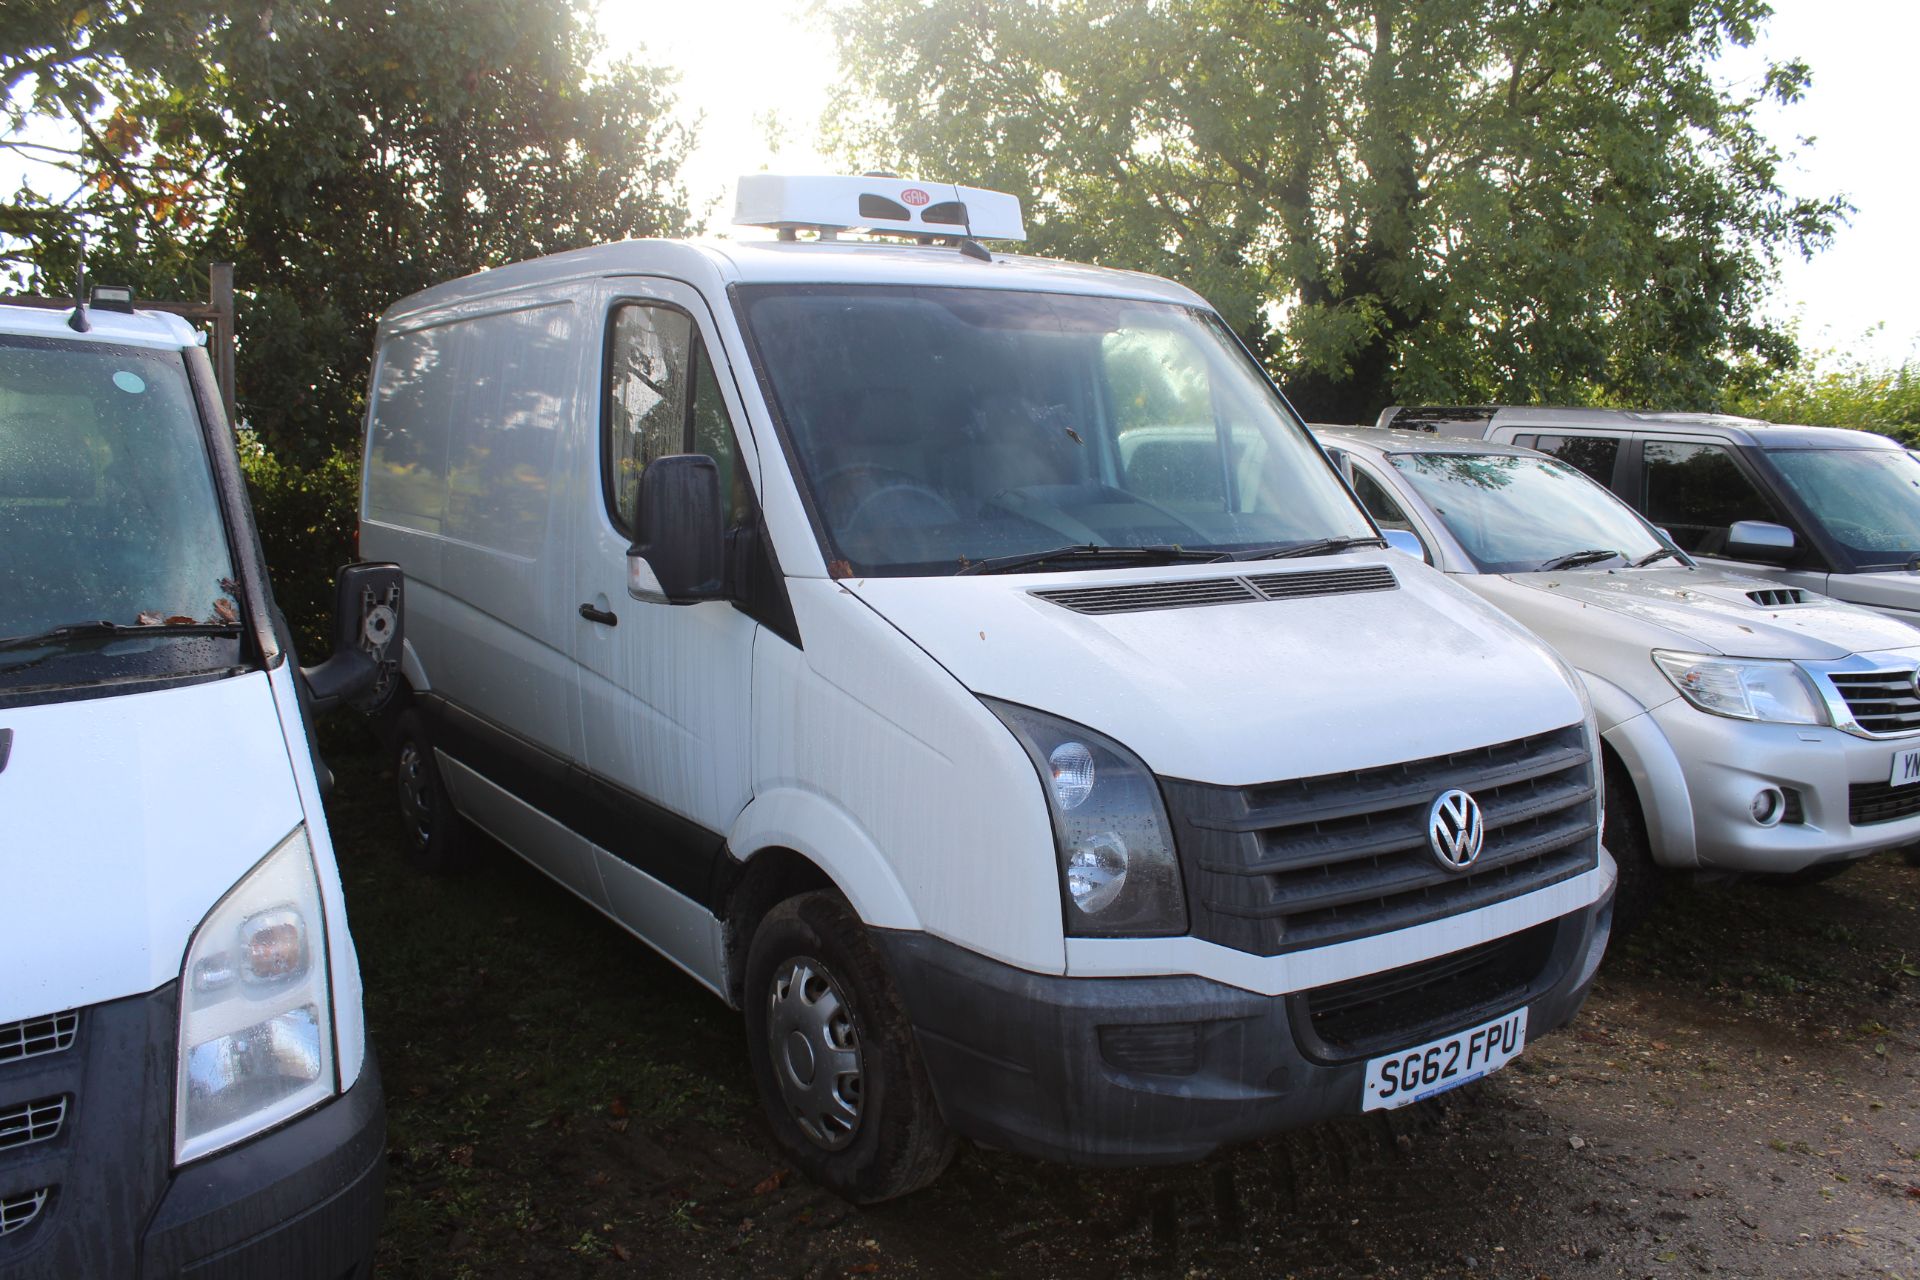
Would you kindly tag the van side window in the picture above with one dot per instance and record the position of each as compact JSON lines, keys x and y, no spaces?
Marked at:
{"x":662,"y":398}
{"x":1696,"y":491}
{"x":1594,"y":455}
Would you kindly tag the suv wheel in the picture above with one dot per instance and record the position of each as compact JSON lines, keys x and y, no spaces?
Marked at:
{"x":840,"y":1076}
{"x":435,"y":833}
{"x":1640,"y":877}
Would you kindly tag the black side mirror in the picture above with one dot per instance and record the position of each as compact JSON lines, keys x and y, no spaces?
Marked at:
{"x":679,"y":551}
{"x":367,"y":632}
{"x":1759,"y":540}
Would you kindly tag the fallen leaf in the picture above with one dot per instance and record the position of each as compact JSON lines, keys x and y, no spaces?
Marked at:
{"x":771,"y":1183}
{"x":617,"y":1107}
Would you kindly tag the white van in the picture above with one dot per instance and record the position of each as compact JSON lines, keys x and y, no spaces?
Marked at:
{"x":185,"y":1082}
{"x":968,"y":666}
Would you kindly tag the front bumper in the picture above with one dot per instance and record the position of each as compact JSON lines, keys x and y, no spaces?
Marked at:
{"x":300,"y":1201}
{"x":1725,"y":762}
{"x":1159,"y":1070}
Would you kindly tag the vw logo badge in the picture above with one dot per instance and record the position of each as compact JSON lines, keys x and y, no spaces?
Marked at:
{"x":1455,"y":831}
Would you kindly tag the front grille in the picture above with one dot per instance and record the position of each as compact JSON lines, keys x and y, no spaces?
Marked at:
{"x":1871,"y":802}
{"x":1777,"y":597}
{"x":1188,"y":593}
{"x":18,"y":1211}
{"x":31,"y":1122}
{"x":31,"y":1037}
{"x":1289,"y":865}
{"x":1402,"y":1005}
{"x":1880,"y":701}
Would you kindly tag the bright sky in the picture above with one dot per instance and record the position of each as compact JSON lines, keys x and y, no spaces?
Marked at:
{"x":743,"y":62}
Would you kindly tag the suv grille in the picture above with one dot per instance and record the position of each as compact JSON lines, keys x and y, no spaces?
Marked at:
{"x":31,"y":1037}
{"x":31,"y":1122}
{"x":1871,"y":802}
{"x":1881,"y":701}
{"x":1140,"y":597}
{"x":1288,"y":865}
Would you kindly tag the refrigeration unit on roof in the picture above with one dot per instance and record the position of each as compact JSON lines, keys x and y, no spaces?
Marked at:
{"x":891,"y":205}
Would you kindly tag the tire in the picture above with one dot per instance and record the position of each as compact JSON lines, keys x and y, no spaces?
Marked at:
{"x":1640,"y":877}
{"x":436,"y":835}
{"x":816,"y":991}
{"x":1912,"y":855}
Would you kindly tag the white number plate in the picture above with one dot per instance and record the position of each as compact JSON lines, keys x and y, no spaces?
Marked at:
{"x":1906,"y":767}
{"x":1443,"y":1064}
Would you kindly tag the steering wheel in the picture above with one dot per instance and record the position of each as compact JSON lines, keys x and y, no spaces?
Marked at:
{"x":904,"y":484}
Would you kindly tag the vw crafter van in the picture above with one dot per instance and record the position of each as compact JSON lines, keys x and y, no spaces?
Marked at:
{"x":969,"y":667}
{"x":185,"y":1082}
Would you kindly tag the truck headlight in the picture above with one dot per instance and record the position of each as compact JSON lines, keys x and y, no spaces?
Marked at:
{"x":1743,"y":688}
{"x":256,"y":1023}
{"x":1119,"y":876}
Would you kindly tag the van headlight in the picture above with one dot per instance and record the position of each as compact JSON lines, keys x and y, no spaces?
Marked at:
{"x":1118,"y":873}
{"x":1744,"y":688}
{"x":256,"y":1024}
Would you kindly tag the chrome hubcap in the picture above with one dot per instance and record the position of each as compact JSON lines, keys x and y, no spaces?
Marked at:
{"x":815,"y":1052}
{"x":416,"y":794}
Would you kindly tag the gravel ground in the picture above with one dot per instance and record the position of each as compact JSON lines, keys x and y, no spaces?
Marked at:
{"x":1740,"y":1097}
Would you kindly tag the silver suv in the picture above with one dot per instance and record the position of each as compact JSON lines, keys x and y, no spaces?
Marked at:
{"x":1819,"y":508}
{"x":1747,"y":727}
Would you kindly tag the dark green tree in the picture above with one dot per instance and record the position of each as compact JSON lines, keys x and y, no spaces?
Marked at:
{"x":1427,"y":200}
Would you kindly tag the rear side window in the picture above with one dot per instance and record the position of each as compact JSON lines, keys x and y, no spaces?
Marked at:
{"x":1594,"y":455}
{"x":1696,"y":492}
{"x":662,"y":398}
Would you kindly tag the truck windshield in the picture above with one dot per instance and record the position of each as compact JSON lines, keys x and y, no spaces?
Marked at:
{"x":114,"y":561}
{"x":1515,"y":514}
{"x":1867,"y":499}
{"x":939,"y":428}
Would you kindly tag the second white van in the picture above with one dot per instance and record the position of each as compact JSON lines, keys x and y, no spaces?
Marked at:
{"x":969,"y":667}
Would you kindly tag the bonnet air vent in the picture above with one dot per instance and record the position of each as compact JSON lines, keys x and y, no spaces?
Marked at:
{"x":1142,"y":597}
{"x":1775,"y":597}
{"x":1138,"y":597}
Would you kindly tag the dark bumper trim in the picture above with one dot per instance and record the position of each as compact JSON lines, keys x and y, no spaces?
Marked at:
{"x":1015,"y":1058}
{"x":301,"y":1202}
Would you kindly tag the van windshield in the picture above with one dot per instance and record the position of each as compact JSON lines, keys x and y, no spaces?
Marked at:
{"x":1868,"y":499}
{"x":114,"y":560}
{"x":938,"y":428}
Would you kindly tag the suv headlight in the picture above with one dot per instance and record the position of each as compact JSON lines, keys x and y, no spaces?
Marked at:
{"x":1119,"y":876}
{"x":1744,"y":688}
{"x":256,"y":1024}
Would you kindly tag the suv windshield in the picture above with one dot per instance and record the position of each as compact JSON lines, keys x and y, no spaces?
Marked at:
{"x":937,"y":428}
{"x":107,"y":516}
{"x":1515,"y":514}
{"x":1868,"y":499}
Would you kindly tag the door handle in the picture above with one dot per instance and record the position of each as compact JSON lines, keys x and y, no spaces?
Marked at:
{"x":605,"y":617}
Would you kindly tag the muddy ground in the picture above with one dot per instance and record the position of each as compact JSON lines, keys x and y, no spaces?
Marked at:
{"x":1741,"y":1097}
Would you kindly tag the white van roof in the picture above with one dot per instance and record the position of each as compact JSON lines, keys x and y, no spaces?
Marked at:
{"x":728,"y":262}
{"x":140,"y":329}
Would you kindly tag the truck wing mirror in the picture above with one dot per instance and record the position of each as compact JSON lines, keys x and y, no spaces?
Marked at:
{"x":365,"y":665}
{"x":1760,"y":540}
{"x":679,"y":545}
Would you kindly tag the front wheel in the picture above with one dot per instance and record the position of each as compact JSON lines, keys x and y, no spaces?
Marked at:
{"x":1640,"y":878}
{"x":436,"y":834}
{"x":840,"y":1076}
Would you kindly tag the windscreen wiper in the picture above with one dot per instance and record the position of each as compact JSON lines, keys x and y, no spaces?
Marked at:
{"x":1653,"y":556}
{"x":1593,"y":555}
{"x":1317,"y":547}
{"x":116,"y":630}
{"x":1090,"y":551}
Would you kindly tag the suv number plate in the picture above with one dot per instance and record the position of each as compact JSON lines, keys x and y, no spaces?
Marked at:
{"x":1443,"y":1064}
{"x":1906,"y":767}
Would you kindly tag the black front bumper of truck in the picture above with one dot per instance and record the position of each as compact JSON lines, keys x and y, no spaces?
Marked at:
{"x":97,"y":1195}
{"x":1160,"y":1070}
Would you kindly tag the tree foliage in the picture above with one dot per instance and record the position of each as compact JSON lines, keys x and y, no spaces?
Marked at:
{"x":1833,"y":389}
{"x":1423,"y":200}
{"x":342,"y":153}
